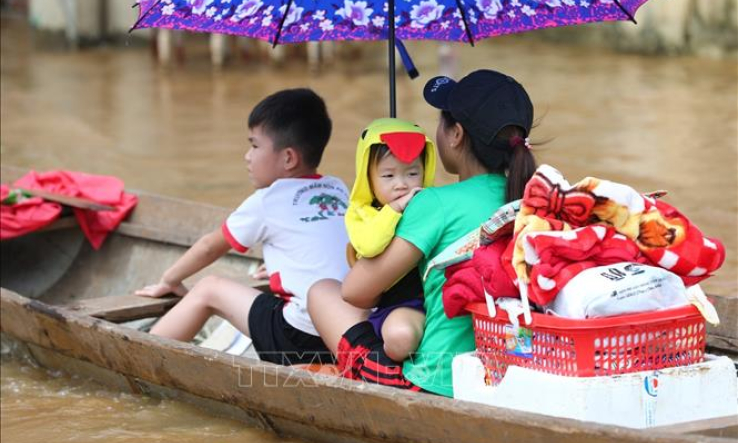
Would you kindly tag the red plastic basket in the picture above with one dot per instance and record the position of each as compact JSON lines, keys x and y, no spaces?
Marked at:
{"x":592,"y":347}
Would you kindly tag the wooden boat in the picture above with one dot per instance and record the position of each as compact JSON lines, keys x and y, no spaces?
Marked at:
{"x":65,"y":306}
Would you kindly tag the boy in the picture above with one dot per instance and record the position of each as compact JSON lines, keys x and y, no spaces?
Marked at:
{"x":298,"y":217}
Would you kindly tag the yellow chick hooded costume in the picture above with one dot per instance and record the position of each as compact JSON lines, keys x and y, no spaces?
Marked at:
{"x":370,"y":230}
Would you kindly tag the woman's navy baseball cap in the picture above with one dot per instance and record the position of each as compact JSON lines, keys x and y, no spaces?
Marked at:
{"x":484,"y":102}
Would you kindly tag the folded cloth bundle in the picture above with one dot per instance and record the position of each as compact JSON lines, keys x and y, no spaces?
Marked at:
{"x":467,"y":281}
{"x":662,"y":235}
{"x":34,"y":213}
{"x":558,"y":256}
{"x":671,"y":241}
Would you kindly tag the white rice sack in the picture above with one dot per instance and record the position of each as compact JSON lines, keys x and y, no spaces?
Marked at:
{"x":622,"y":288}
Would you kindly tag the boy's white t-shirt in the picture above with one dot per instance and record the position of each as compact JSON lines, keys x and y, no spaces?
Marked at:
{"x":300,"y":223}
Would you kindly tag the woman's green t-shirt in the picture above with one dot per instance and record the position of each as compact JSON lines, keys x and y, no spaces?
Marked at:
{"x":434,"y":219}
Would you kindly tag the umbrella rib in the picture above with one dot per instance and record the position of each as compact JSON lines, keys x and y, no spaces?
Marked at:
{"x":281,"y":24}
{"x":466,"y":25}
{"x":143,"y":16}
{"x":622,"y":8}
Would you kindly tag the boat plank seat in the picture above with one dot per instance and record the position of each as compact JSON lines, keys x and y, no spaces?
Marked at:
{"x":121,"y":308}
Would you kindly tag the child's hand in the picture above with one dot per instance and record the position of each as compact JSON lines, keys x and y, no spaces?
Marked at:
{"x":260,"y":273}
{"x":160,"y":289}
{"x":400,"y":204}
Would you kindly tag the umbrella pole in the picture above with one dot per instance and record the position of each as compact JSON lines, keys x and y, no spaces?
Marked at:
{"x":391,"y":48}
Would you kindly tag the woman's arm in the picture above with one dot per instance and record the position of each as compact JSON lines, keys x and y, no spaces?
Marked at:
{"x":204,"y":252}
{"x":370,"y":277}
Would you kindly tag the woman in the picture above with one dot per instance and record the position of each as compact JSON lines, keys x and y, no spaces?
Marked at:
{"x":482,"y":137}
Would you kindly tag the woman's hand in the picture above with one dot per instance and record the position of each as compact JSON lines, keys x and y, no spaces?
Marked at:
{"x":370,"y":277}
{"x":160,"y":289}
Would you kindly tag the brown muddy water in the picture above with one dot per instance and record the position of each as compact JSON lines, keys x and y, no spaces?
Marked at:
{"x":650,"y":122}
{"x":42,"y":406}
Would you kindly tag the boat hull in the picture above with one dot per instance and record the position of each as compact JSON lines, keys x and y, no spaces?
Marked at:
{"x":53,"y":331}
{"x":286,"y":400}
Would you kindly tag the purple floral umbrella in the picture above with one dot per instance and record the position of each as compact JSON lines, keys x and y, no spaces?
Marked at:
{"x":294,"y":21}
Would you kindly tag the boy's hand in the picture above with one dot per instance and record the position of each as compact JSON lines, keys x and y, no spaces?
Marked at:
{"x":160,"y":289}
{"x":400,"y":204}
{"x":260,"y":273}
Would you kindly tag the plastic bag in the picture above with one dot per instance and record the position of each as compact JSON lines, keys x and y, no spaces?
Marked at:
{"x":621,"y":288}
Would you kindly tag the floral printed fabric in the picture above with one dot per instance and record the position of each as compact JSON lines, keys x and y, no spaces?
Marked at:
{"x":624,"y":226}
{"x":315,"y":20}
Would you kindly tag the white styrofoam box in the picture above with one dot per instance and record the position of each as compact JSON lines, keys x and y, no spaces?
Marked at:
{"x":637,"y":400}
{"x":225,"y":337}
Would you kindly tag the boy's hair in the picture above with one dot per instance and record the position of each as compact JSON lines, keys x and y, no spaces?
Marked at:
{"x":295,"y":118}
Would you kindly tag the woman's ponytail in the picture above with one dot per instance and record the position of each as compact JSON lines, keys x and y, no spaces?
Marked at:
{"x":509,"y":153}
{"x":521,"y":168}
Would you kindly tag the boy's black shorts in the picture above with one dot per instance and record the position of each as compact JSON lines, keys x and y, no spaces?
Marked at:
{"x":277,"y":341}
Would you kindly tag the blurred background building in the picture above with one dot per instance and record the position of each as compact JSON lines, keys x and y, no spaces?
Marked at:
{"x":708,"y":28}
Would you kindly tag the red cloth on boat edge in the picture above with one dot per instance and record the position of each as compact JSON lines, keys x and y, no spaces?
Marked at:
{"x":34,"y":213}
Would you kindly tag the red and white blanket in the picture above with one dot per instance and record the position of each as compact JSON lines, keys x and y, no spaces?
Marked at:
{"x":615,"y":223}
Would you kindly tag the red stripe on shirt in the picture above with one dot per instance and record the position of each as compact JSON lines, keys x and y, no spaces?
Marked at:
{"x":232,"y":240}
{"x":275,"y":285}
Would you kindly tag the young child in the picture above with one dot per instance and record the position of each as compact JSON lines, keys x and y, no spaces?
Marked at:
{"x":298,"y":217}
{"x":394,"y":160}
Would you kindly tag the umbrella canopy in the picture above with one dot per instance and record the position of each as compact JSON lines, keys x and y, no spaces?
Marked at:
{"x":293,"y":21}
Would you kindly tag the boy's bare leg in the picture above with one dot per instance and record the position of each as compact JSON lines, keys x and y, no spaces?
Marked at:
{"x":219,"y":296}
{"x":331,"y":315}
{"x":402,"y":332}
